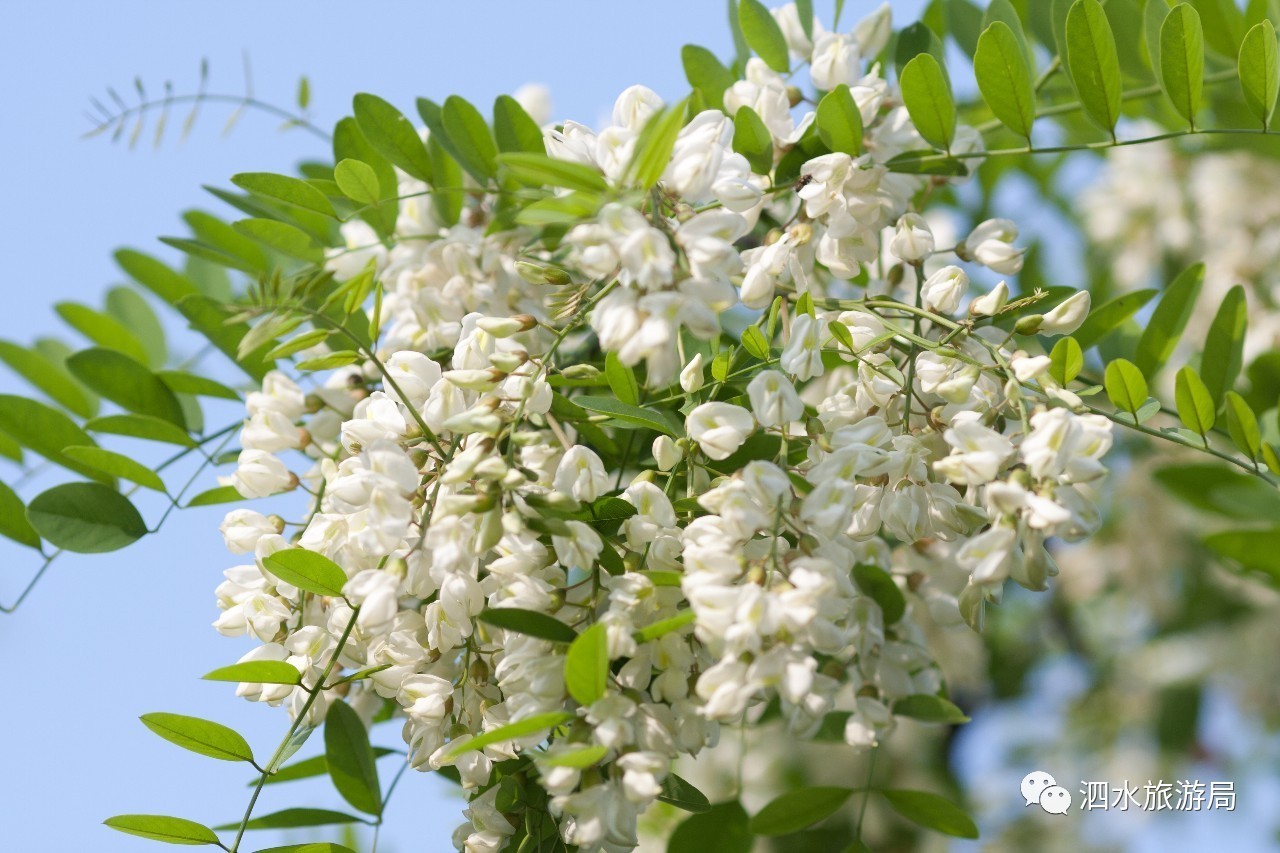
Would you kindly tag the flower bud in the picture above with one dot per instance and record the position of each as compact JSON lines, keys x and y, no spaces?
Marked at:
{"x":501,"y":327}
{"x":539,"y":273}
{"x":691,"y":377}
{"x":912,"y":240}
{"x":1068,"y":316}
{"x":474,"y":380}
{"x":666,"y":453}
{"x":941,"y":291}
{"x":1029,"y":324}
{"x":580,"y":371}
{"x":989,"y":304}
{"x":508,"y":362}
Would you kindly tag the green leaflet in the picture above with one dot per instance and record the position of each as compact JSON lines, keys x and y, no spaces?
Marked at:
{"x":1004,"y":78}
{"x":752,"y":140}
{"x":795,"y":810}
{"x":1182,"y":60}
{"x":1195,"y":405}
{"x":926,"y":92}
{"x":1224,"y":345}
{"x":204,"y":737}
{"x":763,"y":35}
{"x":706,"y":74}
{"x":1126,"y":386}
{"x":586,"y":665}
{"x":350,"y":759}
{"x":1259,"y":71}
{"x":46,"y":431}
{"x":127,"y":383}
{"x":1093,"y":63}
{"x":171,"y":830}
{"x":1168,"y":321}
{"x":840,"y":122}
{"x":391,"y":134}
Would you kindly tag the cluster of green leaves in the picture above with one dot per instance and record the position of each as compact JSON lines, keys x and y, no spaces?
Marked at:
{"x":123,"y":366}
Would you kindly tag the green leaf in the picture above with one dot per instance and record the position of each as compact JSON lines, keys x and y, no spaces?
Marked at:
{"x":257,"y":672}
{"x":763,"y":35}
{"x":128,"y":306}
{"x":350,"y":759}
{"x":1223,"y":25}
{"x":928,"y":708}
{"x":139,"y":426}
{"x":914,"y":40}
{"x":169,"y":285}
{"x":103,"y":329}
{"x":514,"y":128}
{"x":13,"y":519}
{"x":350,"y":143}
{"x":48,"y":376}
{"x":216,"y":495}
{"x":634,"y":415}
{"x":587,"y":756}
{"x":46,"y":431}
{"x":1215,"y":488}
{"x":309,"y":767}
{"x":722,"y":829}
{"x":290,"y":190}
{"x":313,"y":847}
{"x":877,"y":583}
{"x":127,"y":383}
{"x":358,"y":181}
{"x":1182,"y":60}
{"x":197,"y":386}
{"x":87,"y":518}
{"x":1242,"y":425}
{"x":1255,"y":550}
{"x":115,"y":465}
{"x":683,"y":795}
{"x":208,"y":318}
{"x":307,"y":570}
{"x":1125,"y":386}
{"x":932,"y":812}
{"x":332,"y":361}
{"x":755,"y":343}
{"x":529,"y":622}
{"x":665,"y":626}
{"x":298,"y":343}
{"x":561,"y":210}
{"x":204,"y":737}
{"x":839,"y":121}
{"x":391,"y":135}
{"x":706,"y":74}
{"x":1107,"y":317}
{"x":539,"y":170}
{"x":752,"y":139}
{"x":520,"y":729}
{"x":234,"y":249}
{"x":473,"y":145}
{"x":621,"y":379}
{"x":653,"y":148}
{"x":446,"y":173}
{"x":926,"y":93}
{"x":1224,"y":345}
{"x":1195,"y":404}
{"x":171,"y":830}
{"x":1092,"y":62}
{"x":795,"y":810}
{"x":1259,"y":71}
{"x":1168,"y":321}
{"x":1004,"y":78}
{"x":1004,"y":12}
{"x":295,"y":818}
{"x":1066,"y":360}
{"x":288,"y":240}
{"x":586,"y":665}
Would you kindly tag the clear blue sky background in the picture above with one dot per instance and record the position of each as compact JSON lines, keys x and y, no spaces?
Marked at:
{"x":104,"y":639}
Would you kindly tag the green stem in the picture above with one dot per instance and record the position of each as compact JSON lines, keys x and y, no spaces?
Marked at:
{"x":312,"y":692}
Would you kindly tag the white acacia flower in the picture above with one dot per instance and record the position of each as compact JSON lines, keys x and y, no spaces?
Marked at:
{"x":719,"y":428}
{"x":774,"y":400}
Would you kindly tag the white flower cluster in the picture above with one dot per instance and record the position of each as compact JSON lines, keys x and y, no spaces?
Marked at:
{"x":748,"y":559}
